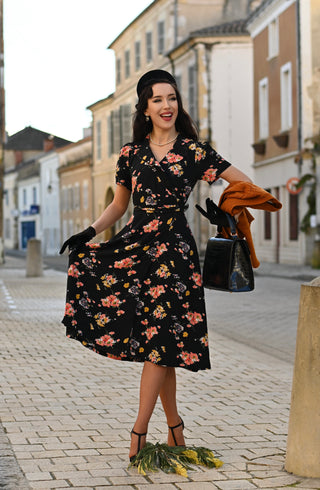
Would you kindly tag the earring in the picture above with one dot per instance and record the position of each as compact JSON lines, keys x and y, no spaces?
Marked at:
{"x":147,"y":118}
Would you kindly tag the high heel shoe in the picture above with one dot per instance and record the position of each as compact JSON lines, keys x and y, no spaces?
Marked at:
{"x":139,"y":443}
{"x":172,"y":431}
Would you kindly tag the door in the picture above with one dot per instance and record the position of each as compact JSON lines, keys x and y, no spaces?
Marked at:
{"x":28,"y":230}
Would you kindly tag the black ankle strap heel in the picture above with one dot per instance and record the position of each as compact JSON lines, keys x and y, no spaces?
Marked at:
{"x":175,"y":427}
{"x":139,"y":442}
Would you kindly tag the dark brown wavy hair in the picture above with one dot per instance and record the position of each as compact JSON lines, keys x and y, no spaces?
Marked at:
{"x":141,"y":128}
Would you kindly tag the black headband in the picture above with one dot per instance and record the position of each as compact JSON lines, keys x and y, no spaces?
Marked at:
{"x":152,"y":77}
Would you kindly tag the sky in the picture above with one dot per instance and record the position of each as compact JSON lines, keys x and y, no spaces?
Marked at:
{"x":56,"y":60}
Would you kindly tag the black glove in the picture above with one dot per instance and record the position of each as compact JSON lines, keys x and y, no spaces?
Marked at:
{"x":75,"y":241}
{"x":214,"y":214}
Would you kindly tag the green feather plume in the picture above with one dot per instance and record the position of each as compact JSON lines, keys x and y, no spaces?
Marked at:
{"x":173,"y":459}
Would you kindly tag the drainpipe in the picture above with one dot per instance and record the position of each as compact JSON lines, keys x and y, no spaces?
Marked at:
{"x":299,"y":95}
{"x":208,"y":67}
{"x":175,"y":20}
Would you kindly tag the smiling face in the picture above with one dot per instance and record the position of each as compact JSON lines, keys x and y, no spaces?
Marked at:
{"x":162,"y":107}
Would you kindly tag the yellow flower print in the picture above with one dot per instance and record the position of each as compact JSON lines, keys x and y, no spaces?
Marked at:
{"x":154,"y":356}
{"x":159,"y":312}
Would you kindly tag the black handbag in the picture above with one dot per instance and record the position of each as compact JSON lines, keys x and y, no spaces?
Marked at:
{"x":227,"y":265}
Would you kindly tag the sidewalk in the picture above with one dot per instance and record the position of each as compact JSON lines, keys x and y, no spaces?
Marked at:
{"x":67,"y":412}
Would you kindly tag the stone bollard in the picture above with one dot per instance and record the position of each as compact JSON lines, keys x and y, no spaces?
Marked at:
{"x":34,"y":258}
{"x":303,"y":444}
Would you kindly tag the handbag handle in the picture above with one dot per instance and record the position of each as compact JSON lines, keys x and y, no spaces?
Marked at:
{"x":218,"y":217}
{"x":232,"y":225}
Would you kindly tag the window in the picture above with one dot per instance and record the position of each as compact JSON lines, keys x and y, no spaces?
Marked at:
{"x":70,"y":199}
{"x":85,"y":194}
{"x":127,"y":63}
{"x":7,"y":228}
{"x":286,"y":97}
{"x":98,"y":140}
{"x":34,"y":195}
{"x":178,"y":79}
{"x":192,"y":92}
{"x":24,"y":197}
{"x":267,"y":225}
{"x":263,"y":109}
{"x":293,"y":217}
{"x":118,"y":70}
{"x":64,"y":203}
{"x":76,"y":196}
{"x":137,"y":51}
{"x":149,"y":46}
{"x":116,"y":145}
{"x":110,"y":134}
{"x":125,"y":124}
{"x":161,"y":37}
{"x":273,"y":38}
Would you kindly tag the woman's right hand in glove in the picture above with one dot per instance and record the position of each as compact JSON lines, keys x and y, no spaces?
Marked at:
{"x":75,"y":241}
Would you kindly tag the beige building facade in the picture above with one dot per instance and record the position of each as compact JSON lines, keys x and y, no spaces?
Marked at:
{"x":75,"y":165}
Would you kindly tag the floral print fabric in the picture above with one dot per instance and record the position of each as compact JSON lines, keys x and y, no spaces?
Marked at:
{"x":139,"y":296}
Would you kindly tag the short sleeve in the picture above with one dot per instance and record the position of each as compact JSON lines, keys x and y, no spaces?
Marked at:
{"x":123,"y":174}
{"x":209,"y":163}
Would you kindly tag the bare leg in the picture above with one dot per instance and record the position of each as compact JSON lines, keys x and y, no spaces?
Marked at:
{"x":152,"y":379}
{"x":169,"y":403}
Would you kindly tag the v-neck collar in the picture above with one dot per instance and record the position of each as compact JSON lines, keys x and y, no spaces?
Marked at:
{"x":169,"y":151}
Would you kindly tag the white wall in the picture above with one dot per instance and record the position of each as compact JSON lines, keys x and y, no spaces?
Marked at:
{"x":232,"y":103}
{"x":50,"y":208}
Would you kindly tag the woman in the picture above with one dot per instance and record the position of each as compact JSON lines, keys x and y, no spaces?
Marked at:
{"x":139,"y":296}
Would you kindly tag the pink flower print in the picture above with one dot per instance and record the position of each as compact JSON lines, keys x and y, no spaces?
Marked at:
{"x":156,"y":291}
{"x":194,"y":317}
{"x":124,"y":263}
{"x":152,"y":226}
{"x":173,"y":158}
{"x":69,"y":310}
{"x":131,"y":272}
{"x":79,"y":284}
{"x":150,"y":332}
{"x":161,"y":249}
{"x":133,"y":183}
{"x":189,"y":357}
{"x":210,"y":175}
{"x":197,"y":278}
{"x":111,"y":301}
{"x":125,"y":151}
{"x":73,"y":271}
{"x":106,"y":340}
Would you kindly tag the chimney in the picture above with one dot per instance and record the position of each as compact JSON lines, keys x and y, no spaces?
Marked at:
{"x":18,"y":156}
{"x":48,"y":143}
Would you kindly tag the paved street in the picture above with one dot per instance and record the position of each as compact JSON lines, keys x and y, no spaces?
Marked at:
{"x":66,"y":412}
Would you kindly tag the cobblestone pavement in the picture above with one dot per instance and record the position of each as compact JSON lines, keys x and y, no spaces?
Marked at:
{"x":66,"y":412}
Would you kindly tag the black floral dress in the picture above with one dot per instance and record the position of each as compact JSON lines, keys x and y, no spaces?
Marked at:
{"x":139,"y":296}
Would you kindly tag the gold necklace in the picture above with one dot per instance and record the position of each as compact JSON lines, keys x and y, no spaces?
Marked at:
{"x":162,"y":144}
